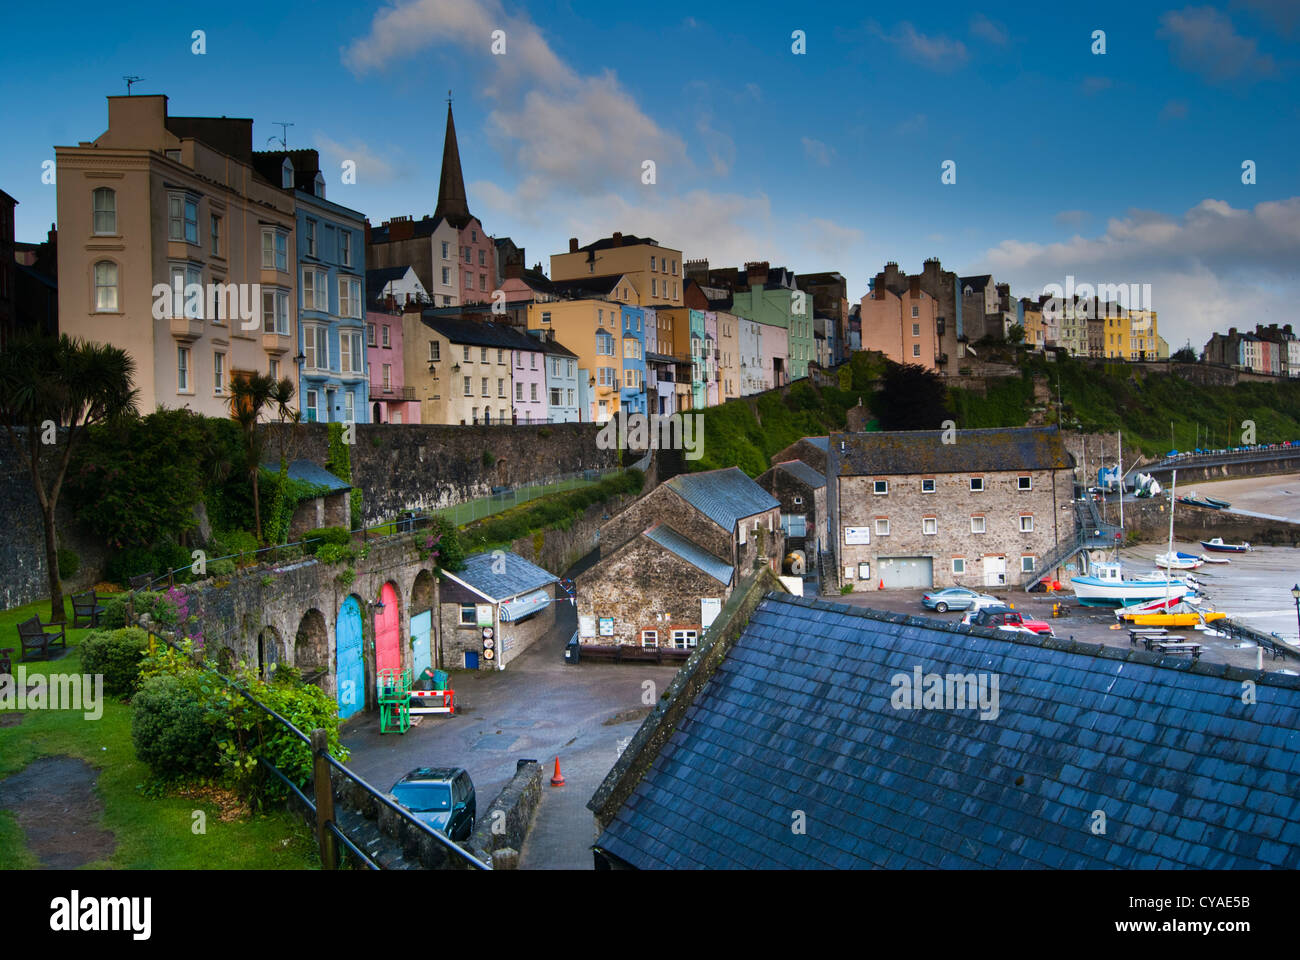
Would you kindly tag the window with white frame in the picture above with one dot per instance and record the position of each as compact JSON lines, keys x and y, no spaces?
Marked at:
{"x":1026,"y":523}
{"x":349,"y":407}
{"x":216,"y":235}
{"x":501,"y":386}
{"x":685,"y":639}
{"x":882,"y":526}
{"x":929,"y":525}
{"x":880,"y":486}
{"x":485,"y":391}
{"x":546,"y":316}
{"x":182,"y":218}
{"x":976,"y":484}
{"x":1024,"y":483}
{"x":976,"y":524}
{"x":607,"y":377}
{"x":958,"y":565}
{"x":183,"y":370}
{"x":349,"y":298}
{"x":311,"y":238}
{"x":104,"y":204}
{"x":435,"y":351}
{"x":794,"y":524}
{"x":184,"y":276}
{"x":446,"y":275}
{"x":532,"y":392}
{"x":916,"y":349}
{"x":468,"y":615}
{"x":519,"y":391}
{"x":314,"y":295}
{"x":916,"y":312}
{"x":349,"y":352}
{"x":316,"y":347}
{"x":345,"y":247}
{"x":275,"y":311}
{"x":469,"y":280}
{"x":388,"y":376}
{"x":649,"y":638}
{"x":927,"y":484}
{"x":383,"y":336}
{"x":1026,"y":564}
{"x":445,"y":257}
{"x":311,"y":410}
{"x":469,"y":387}
{"x":556,"y":400}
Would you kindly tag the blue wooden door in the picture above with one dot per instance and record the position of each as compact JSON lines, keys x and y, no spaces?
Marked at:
{"x":350,"y":670}
{"x":421,"y":627}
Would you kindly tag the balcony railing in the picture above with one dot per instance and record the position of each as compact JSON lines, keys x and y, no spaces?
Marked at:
{"x":391,"y":393}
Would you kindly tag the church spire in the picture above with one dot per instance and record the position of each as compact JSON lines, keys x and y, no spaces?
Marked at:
{"x":452,"y":203}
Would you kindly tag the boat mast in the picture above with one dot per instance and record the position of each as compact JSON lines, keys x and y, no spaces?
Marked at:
{"x":1169,"y":571}
{"x":1119,"y":441}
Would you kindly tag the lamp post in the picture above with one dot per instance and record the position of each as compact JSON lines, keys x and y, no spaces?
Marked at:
{"x":1295,"y":595}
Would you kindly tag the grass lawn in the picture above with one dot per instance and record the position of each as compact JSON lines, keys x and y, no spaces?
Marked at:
{"x":151,"y":833}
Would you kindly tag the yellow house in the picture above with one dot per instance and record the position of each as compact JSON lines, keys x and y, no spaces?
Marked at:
{"x":591,"y":328}
{"x":656,"y":271}
{"x":1145,"y":342}
{"x":159,"y":206}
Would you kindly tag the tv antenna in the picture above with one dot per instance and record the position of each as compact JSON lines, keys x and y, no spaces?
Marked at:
{"x":284,"y":134}
{"x":130,"y":80}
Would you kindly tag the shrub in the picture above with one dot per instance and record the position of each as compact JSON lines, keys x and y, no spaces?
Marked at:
{"x":114,"y":614}
{"x":156,"y":605}
{"x":222,"y":567}
{"x":335,"y":553}
{"x":159,"y":559}
{"x":171,"y":726}
{"x":847,"y":588}
{"x":325,"y":536}
{"x":228,"y":542}
{"x":69,"y":563}
{"x":116,"y":654}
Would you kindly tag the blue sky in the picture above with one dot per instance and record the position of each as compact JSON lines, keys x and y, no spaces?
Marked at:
{"x":1116,"y":168}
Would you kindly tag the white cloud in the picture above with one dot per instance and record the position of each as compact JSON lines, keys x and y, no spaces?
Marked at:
{"x":1204,"y":41}
{"x":982,"y":26}
{"x":818,"y":152}
{"x":1214,"y":267}
{"x":371,"y":168}
{"x":1071,"y":218}
{"x":935,"y":52}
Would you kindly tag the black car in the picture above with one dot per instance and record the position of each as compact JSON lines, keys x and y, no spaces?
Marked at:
{"x":442,"y":797}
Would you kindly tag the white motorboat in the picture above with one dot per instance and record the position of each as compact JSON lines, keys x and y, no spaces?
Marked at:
{"x":1106,"y":586}
{"x":1178,"y":561}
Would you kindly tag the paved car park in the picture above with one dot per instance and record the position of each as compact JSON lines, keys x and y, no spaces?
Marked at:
{"x":538,"y":708}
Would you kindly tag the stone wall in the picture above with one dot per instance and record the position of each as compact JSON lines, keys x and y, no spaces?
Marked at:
{"x":505,"y":822}
{"x":663,"y":505}
{"x":421,"y":467}
{"x":1148,"y":520}
{"x":642,"y":586}
{"x":788,"y":488}
{"x":1268,"y":467}
{"x":512,"y":638}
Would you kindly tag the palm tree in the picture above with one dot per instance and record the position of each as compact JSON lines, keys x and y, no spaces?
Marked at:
{"x":50,"y":382}
{"x":251,"y":395}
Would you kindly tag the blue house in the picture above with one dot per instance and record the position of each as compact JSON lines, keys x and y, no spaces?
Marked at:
{"x":562,"y":378}
{"x":632,"y":392}
{"x":333,"y":385}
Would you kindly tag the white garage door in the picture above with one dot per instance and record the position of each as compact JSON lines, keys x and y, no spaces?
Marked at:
{"x":905,"y":572}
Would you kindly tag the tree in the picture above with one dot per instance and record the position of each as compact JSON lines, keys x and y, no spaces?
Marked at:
{"x":911,"y":398}
{"x":1015,"y":334}
{"x":250,"y":396}
{"x":47,"y":382}
{"x":1184,"y":354}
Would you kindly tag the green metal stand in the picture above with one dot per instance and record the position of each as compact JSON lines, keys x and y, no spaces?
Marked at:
{"x":394,"y":701}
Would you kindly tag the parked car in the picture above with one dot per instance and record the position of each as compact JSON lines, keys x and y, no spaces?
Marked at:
{"x":441,"y":797}
{"x":955,"y":598}
{"x":1003,"y":616}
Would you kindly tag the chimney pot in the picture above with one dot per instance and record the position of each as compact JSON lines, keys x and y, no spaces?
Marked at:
{"x":573,"y":244}
{"x":618,"y":239}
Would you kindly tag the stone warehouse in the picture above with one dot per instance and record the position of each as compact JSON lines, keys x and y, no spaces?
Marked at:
{"x":669,"y":561}
{"x":495,"y":609}
{"x":910,"y":510}
{"x":802,"y":493}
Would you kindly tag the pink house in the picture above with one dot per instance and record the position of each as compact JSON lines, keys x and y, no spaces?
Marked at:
{"x":529,"y":378}
{"x":710,"y":358}
{"x":390,"y":400}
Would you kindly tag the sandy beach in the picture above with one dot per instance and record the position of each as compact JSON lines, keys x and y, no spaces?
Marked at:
{"x":1278,"y":496}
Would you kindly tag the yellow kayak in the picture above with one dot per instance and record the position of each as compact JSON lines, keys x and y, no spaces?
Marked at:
{"x":1171,"y":619}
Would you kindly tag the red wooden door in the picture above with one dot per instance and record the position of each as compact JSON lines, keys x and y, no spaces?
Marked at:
{"x":388,"y":633}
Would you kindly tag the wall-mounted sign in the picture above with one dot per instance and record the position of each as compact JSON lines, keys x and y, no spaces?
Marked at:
{"x":710,"y":607}
{"x":586,"y":626}
{"x":606,"y":626}
{"x":864,"y":571}
{"x":484,"y":613}
{"x":488,"y":633}
{"x":488,"y":643}
{"x":489,"y":654}
{"x":857,"y":535}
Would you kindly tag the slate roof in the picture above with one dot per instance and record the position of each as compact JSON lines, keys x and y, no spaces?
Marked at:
{"x":724,"y":496}
{"x":801,"y":471}
{"x":311,"y":473}
{"x":907,"y":452}
{"x":519,"y":575}
{"x":423,"y":227}
{"x":377,"y":277}
{"x":822,"y":443}
{"x":479,"y":333}
{"x":581,"y":287}
{"x":607,"y":243}
{"x":675,"y":543}
{"x":1187,"y":775}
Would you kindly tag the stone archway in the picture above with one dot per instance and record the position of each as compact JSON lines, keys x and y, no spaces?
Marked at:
{"x":311,"y":648}
{"x":388,"y":630}
{"x":269,"y":651}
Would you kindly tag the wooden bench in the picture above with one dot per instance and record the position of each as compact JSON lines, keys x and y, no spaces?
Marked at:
{"x":1151,"y":641}
{"x":37,"y":637}
{"x":1146,"y":634}
{"x":631,"y":653}
{"x":86,"y":606}
{"x":1179,"y":646}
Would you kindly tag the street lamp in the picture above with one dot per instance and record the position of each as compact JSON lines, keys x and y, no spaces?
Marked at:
{"x":1295,"y":595}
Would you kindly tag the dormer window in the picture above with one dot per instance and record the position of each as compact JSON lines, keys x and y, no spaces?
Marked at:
{"x":319,"y":186}
{"x":286,"y":174}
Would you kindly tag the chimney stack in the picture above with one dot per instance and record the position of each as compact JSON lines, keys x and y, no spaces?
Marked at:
{"x":573,"y":244}
{"x":514,"y":270}
{"x":618,"y":239}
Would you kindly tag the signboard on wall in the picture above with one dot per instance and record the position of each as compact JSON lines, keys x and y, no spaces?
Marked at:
{"x":484,"y":614}
{"x":606,"y":626}
{"x":710,"y":607}
{"x":586,"y":626}
{"x":857,"y":535}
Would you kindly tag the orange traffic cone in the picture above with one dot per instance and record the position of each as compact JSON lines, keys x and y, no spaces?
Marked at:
{"x":558,"y":779}
{"x":882,"y":584}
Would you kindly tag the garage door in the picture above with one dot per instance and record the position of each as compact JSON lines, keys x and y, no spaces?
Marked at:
{"x":905,"y":571}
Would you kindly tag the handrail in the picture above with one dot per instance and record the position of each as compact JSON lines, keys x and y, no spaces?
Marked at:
{"x":332,"y":827}
{"x":406,"y":815}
